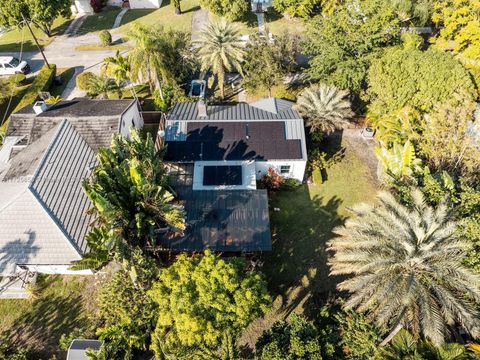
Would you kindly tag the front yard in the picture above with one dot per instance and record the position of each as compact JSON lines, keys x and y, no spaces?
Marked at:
{"x":297,"y":270}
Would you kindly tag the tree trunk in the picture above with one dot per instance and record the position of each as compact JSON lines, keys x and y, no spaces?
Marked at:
{"x":178,"y":10}
{"x":391,"y":335}
{"x":221,"y":83}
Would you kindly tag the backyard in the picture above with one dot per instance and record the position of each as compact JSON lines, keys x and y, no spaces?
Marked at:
{"x":296,"y":269}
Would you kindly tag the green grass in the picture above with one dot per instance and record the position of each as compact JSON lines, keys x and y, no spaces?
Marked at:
{"x":10,"y":41}
{"x":58,"y":307}
{"x":296,"y":269}
{"x":100,"y":21}
{"x":278,"y":24}
{"x":65,"y":74}
{"x":17,"y":93}
{"x":164,"y":16}
{"x":99,"y":47}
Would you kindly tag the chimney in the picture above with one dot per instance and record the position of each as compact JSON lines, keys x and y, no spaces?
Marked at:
{"x":202,"y":109}
{"x":40,"y":107}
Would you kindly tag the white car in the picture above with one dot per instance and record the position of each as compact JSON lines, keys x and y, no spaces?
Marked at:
{"x":10,"y":65}
{"x":197,"y":88}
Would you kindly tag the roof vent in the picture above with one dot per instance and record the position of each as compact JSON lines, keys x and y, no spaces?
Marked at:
{"x":40,"y":107}
{"x":202,"y":109}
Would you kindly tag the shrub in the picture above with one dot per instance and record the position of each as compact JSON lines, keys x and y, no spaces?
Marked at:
{"x":17,"y":79}
{"x":83,"y":80}
{"x":289,"y":184}
{"x":105,"y":38}
{"x":271,"y":180}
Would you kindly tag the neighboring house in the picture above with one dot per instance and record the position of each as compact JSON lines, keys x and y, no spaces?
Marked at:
{"x":216,"y":154}
{"x":82,"y":7}
{"x":45,"y":157}
{"x":78,"y":349}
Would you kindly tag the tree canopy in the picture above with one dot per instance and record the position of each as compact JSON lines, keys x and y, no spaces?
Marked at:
{"x":344,"y":43}
{"x":230,"y":9}
{"x":130,"y":198}
{"x":406,"y":267}
{"x":41,"y":13}
{"x":301,"y":8}
{"x":418,"y":79}
{"x":201,"y":300}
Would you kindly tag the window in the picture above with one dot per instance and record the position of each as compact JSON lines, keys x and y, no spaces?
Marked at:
{"x":284,"y":169}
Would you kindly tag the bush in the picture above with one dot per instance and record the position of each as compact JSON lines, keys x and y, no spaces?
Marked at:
{"x":17,"y":79}
{"x":289,"y":184}
{"x":271,"y":180}
{"x":83,"y":80}
{"x":105,"y":37}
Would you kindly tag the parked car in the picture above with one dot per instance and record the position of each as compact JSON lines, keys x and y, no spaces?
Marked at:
{"x":197,"y":88}
{"x":10,"y":65}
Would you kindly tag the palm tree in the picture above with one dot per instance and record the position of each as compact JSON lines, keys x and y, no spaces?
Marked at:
{"x":325,"y":108}
{"x":101,"y":86}
{"x":158,"y":57}
{"x":220,"y":50}
{"x":117,"y":67}
{"x":178,"y":9}
{"x":406,"y":267}
{"x":404,"y":346}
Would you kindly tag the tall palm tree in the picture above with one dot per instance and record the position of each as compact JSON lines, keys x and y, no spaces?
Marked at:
{"x":158,"y":56}
{"x":406,"y":267}
{"x":220,"y":50}
{"x":325,"y":108}
{"x":102,"y":86}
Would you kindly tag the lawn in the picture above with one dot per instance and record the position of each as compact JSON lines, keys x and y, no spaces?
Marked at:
{"x":296,"y":269}
{"x":164,"y":16}
{"x":60,"y":305}
{"x":65,"y":74}
{"x":100,"y":21}
{"x":10,"y":41}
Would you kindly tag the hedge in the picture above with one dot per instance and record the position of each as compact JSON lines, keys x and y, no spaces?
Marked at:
{"x":43,"y":81}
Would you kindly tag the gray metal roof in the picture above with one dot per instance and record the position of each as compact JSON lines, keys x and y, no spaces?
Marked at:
{"x":223,"y":221}
{"x":57,"y":183}
{"x":240,"y":111}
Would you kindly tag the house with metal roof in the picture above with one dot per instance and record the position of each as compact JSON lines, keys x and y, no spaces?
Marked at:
{"x":44,"y":159}
{"x":216,"y":154}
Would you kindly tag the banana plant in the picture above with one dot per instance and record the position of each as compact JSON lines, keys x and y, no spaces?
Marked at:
{"x":398,"y":162}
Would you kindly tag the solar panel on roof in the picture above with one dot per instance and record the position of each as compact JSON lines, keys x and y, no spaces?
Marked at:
{"x":222,"y":175}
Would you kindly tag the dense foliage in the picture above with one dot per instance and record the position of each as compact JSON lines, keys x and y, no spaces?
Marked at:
{"x":460,"y":31}
{"x":204,"y":302}
{"x":343,"y":44}
{"x":230,"y":9}
{"x":126,"y":314}
{"x":408,"y":268}
{"x":130,"y":197}
{"x":41,"y":13}
{"x":301,"y":8}
{"x":266,"y":63}
{"x":418,"y":79}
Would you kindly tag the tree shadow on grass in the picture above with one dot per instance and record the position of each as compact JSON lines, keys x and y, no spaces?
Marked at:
{"x":296,"y":269}
{"x":49,"y":316}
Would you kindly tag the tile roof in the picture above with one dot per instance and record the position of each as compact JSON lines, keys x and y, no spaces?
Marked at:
{"x":223,"y":221}
{"x":57,"y":183}
{"x":240,"y":111}
{"x":95,"y":120}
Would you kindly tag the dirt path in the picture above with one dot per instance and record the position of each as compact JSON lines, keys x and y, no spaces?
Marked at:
{"x":364,"y":149}
{"x":199,"y":21}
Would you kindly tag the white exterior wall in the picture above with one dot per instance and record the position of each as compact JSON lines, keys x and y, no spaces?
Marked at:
{"x":83,"y":6}
{"x":297,"y":168}
{"x":57,"y":269}
{"x":145,"y":4}
{"x":131,"y":117}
